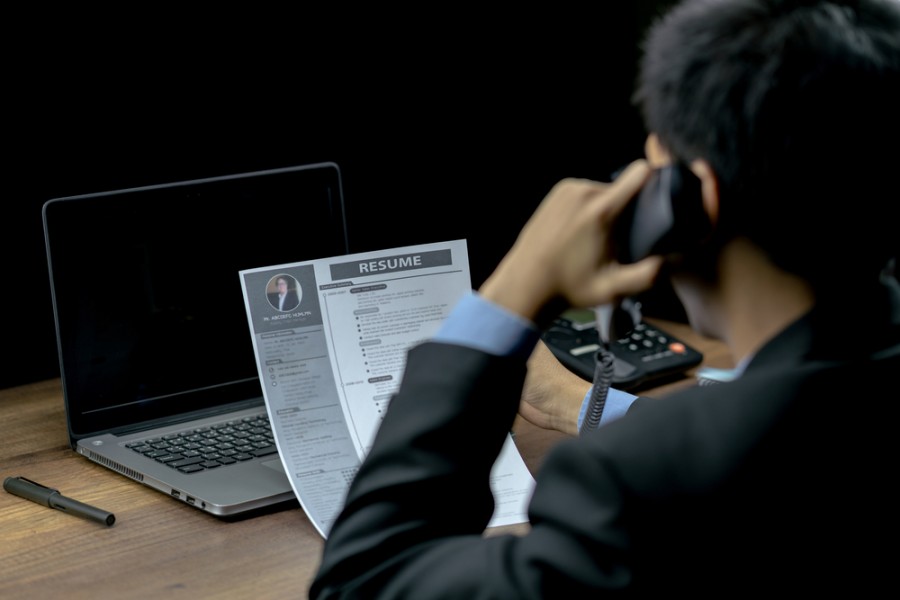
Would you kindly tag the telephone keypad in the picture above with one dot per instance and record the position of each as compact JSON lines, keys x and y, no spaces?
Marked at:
{"x":644,"y":355}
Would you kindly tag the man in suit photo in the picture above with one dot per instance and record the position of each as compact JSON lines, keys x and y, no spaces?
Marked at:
{"x":285,"y":297}
{"x":778,"y":480}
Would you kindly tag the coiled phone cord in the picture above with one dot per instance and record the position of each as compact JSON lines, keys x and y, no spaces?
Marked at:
{"x":613,"y":321}
{"x":603,"y":375}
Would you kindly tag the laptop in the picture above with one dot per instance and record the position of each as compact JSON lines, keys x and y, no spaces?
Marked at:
{"x":156,"y":358}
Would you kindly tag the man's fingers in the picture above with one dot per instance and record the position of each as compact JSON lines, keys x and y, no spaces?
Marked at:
{"x":627,"y":280}
{"x":626,"y":185}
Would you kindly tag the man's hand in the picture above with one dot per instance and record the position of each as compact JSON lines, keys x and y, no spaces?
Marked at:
{"x":553,"y":395}
{"x":562,"y":256}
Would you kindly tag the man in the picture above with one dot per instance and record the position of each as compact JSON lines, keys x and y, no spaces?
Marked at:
{"x":778,"y":481}
{"x":285,"y":297}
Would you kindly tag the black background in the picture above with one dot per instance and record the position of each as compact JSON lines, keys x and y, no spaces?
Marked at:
{"x":445,"y":126}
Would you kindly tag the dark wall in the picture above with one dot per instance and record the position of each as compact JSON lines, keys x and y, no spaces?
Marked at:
{"x":456,"y":134}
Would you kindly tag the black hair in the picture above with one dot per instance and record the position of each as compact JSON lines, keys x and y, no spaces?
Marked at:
{"x":796,"y":106}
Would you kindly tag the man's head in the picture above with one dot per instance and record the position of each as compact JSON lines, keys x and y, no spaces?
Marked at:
{"x":791,"y":104}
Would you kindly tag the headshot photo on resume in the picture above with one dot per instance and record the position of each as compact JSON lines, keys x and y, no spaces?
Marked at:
{"x":283,"y":292}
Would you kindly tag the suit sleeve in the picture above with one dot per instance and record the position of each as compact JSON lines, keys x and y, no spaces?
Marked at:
{"x":414,"y":518}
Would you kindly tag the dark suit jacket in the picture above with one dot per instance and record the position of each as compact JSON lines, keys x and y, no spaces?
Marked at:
{"x":291,"y":300}
{"x":780,"y":481}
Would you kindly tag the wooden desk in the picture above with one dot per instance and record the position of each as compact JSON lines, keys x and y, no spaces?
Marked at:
{"x":159,"y":547}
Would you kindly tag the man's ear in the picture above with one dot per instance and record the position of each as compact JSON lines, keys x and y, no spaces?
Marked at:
{"x":709,"y":188}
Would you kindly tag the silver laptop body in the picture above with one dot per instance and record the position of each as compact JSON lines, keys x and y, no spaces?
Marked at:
{"x":156,"y":360}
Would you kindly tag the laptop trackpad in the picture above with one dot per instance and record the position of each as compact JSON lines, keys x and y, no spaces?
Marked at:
{"x":275,"y":465}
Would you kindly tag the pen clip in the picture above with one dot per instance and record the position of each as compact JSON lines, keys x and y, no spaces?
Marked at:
{"x":30,"y":490}
{"x":35,"y":483}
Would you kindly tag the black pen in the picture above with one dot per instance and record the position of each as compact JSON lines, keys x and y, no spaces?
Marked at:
{"x":31,"y":490}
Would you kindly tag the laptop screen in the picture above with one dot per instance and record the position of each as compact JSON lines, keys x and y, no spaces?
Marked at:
{"x":146,"y":290}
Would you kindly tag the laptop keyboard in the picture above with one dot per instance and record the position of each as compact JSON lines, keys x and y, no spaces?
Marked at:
{"x":211,"y":447}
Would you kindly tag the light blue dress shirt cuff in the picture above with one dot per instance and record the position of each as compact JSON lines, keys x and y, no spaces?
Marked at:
{"x":478,"y":323}
{"x":617,"y":403}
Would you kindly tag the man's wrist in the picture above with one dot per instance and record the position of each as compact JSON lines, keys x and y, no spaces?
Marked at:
{"x":479,"y":323}
{"x":617,"y":404}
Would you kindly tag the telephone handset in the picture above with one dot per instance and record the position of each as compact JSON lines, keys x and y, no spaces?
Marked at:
{"x":666,"y":217}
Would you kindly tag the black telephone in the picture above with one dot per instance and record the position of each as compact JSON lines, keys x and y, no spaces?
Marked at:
{"x":666,"y":217}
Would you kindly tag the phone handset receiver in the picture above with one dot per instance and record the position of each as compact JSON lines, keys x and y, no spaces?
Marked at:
{"x":667,"y":217}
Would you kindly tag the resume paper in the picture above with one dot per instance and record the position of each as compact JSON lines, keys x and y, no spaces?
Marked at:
{"x":330,"y":338}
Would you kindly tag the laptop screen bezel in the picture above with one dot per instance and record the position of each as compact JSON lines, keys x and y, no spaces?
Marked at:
{"x":249,"y":220}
